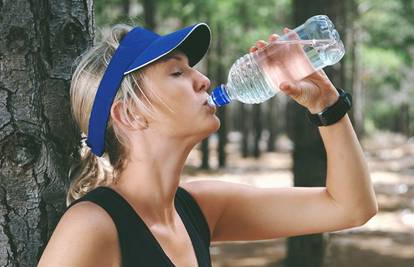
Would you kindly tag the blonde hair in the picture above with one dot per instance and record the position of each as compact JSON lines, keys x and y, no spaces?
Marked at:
{"x":92,"y":171}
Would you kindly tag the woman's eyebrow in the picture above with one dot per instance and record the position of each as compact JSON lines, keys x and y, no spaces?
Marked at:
{"x":176,"y":57}
{"x":173,"y":57}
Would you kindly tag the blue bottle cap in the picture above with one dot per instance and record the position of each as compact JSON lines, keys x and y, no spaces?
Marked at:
{"x":220,"y":96}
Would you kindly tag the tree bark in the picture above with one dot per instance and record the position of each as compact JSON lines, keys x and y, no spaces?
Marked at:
{"x":205,"y":150}
{"x":38,"y":140}
{"x":357,"y":112}
{"x":312,"y":249}
{"x":309,"y":156}
{"x":245,"y":112}
{"x":272,"y":124}
{"x":404,"y":119}
{"x":149,"y":13}
{"x":354,"y":78}
{"x":221,"y":111}
{"x":257,"y":129}
{"x":126,"y":4}
{"x":205,"y":154}
{"x":309,"y":169}
{"x":245,"y":118}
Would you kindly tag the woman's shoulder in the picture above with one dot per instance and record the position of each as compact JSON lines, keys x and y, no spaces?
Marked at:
{"x":89,"y":215}
{"x":84,"y":236}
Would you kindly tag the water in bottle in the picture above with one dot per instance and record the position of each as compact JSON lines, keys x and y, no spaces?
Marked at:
{"x":256,"y":77}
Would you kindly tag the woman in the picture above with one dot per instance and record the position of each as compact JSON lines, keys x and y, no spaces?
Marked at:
{"x":143,"y":108}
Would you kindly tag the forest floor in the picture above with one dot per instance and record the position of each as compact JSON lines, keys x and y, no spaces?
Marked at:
{"x":387,"y":240}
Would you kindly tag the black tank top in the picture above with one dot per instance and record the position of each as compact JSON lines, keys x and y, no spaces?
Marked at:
{"x":139,"y":248}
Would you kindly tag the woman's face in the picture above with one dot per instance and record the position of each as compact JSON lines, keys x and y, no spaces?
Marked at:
{"x":178,"y":95}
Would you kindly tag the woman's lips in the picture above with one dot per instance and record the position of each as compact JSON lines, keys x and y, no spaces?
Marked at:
{"x":212,"y":109}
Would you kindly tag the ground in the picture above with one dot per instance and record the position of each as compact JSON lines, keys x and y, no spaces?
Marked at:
{"x":387,"y":240}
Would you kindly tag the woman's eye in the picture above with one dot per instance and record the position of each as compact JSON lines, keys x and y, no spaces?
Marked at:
{"x":177,"y":73}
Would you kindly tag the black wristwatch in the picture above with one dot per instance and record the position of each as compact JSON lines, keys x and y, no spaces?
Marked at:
{"x":333,"y":113}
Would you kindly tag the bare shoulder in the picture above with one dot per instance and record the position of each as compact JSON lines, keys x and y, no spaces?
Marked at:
{"x":217,"y":188}
{"x":204,"y":190}
{"x":212,"y":197}
{"x":84,"y":236}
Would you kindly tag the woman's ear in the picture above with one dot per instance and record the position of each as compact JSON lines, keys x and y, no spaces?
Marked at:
{"x":127,"y":119}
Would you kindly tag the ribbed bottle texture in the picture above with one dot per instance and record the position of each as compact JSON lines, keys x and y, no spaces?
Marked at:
{"x":256,"y":77}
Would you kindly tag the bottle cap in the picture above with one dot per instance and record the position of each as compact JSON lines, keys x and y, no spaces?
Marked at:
{"x":220,"y":96}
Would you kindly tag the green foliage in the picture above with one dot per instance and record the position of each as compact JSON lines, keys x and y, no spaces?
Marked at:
{"x":243,"y":22}
{"x":387,"y":58}
{"x":110,"y":12}
{"x":386,"y":39}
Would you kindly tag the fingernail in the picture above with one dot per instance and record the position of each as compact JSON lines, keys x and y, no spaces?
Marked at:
{"x":284,"y":86}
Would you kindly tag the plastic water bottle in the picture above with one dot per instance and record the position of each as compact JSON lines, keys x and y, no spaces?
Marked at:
{"x":256,"y":76}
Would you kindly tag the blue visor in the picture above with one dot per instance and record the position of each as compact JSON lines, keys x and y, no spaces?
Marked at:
{"x":137,"y":49}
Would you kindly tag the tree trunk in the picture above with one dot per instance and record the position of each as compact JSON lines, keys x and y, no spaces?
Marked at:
{"x":40,"y":40}
{"x":221,"y":111}
{"x":205,"y":154}
{"x":245,"y":118}
{"x":309,"y":169}
{"x":126,"y":4}
{"x":149,"y":13}
{"x":272,"y":126}
{"x":309,"y":156}
{"x":354,"y":78}
{"x":205,"y":150}
{"x":358,"y":98}
{"x":257,"y":129}
{"x":404,"y":119}
{"x":245,"y":114}
{"x":312,"y":249}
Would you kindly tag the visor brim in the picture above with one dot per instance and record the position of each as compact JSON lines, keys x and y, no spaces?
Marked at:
{"x":192,"y":41}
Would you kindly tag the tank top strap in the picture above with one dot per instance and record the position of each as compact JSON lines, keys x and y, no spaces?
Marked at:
{"x":195,"y":214}
{"x":137,"y":249}
{"x":137,"y":244}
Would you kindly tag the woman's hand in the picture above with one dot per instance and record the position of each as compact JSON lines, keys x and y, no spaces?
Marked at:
{"x":315,"y":92}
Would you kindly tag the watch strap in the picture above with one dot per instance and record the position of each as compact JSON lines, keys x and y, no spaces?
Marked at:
{"x":333,"y":113}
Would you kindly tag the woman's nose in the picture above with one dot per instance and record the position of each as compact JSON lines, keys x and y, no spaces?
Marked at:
{"x":203,"y":83}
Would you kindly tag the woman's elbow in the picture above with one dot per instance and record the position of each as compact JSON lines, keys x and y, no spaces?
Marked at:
{"x":366,"y":214}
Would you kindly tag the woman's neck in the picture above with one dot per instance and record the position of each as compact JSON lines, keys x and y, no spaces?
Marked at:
{"x":151,"y":178}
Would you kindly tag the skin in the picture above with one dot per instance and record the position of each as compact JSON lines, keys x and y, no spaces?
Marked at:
{"x":160,"y":145}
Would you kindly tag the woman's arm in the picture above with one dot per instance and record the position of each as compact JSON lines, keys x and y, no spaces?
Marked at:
{"x":348,"y":181}
{"x":243,"y":212}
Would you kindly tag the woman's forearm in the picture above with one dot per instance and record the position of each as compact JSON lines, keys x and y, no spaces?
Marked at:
{"x":348,"y":179}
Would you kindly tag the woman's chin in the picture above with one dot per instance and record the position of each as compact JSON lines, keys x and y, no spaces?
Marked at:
{"x":211,"y":128}
{"x":215,"y":124}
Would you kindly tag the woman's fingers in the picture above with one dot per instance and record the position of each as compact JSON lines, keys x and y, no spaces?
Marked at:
{"x":261,"y":44}
{"x":273,"y":37}
{"x":286,"y":30}
{"x":321,"y":80}
{"x":292,"y":90}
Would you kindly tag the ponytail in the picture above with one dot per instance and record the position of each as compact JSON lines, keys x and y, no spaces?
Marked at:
{"x":88,"y":173}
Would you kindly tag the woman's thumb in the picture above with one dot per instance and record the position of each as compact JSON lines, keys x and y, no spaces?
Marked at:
{"x":289,"y":88}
